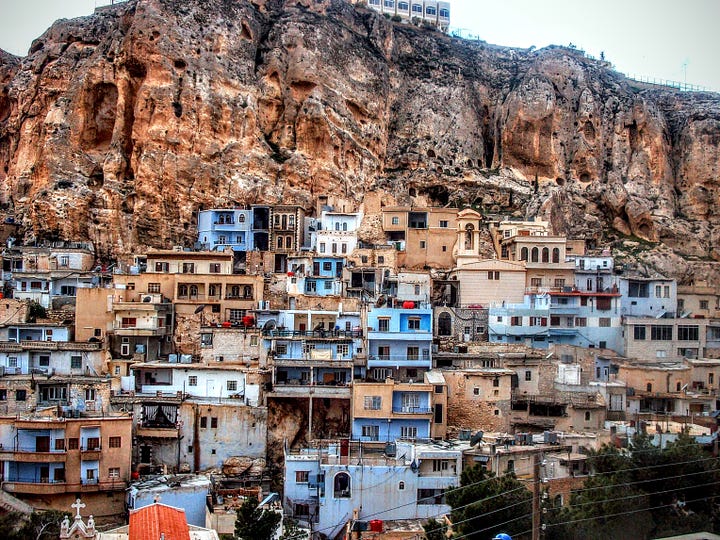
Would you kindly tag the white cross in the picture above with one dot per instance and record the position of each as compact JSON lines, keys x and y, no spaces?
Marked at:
{"x":78,"y":505}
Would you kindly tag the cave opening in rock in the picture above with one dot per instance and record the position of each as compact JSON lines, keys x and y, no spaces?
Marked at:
{"x":100,"y":115}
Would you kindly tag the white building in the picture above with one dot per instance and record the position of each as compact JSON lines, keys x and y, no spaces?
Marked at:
{"x":431,"y":11}
{"x":406,"y":481}
{"x":336,"y":233}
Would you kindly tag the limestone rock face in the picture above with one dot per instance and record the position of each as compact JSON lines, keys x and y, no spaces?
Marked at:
{"x":117,"y":128}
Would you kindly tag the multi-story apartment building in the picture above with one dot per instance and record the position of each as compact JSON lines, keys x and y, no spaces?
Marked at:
{"x":651,"y":338}
{"x":51,"y":276}
{"x":323,"y":486}
{"x":432,"y":12}
{"x":221,"y":228}
{"x":490,"y":282}
{"x":315,"y":276}
{"x":425,"y":237}
{"x":648,"y":296}
{"x":699,"y":300}
{"x":47,"y":461}
{"x":399,"y":342}
{"x":336,"y":233}
{"x":287,"y":233}
{"x":389,"y":410}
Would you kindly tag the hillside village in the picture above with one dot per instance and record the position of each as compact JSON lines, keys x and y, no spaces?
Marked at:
{"x":317,"y":353}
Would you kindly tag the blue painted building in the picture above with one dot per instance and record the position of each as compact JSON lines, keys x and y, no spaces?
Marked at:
{"x":221,"y":228}
{"x":399,"y":342}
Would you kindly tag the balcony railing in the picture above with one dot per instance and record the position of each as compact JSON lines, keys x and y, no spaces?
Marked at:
{"x":278,"y":333}
{"x":412,"y":410}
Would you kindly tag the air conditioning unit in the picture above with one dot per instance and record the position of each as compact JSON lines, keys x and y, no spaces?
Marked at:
{"x":173,"y":358}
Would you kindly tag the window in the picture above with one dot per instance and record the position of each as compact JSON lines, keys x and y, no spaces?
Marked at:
{"x":327,"y":285}
{"x":536,"y":282}
{"x":59,"y":444}
{"x":303,"y":510}
{"x":381,"y":259}
{"x":688,"y":333}
{"x":76,"y":362}
{"x":515,"y":321}
{"x":493,"y":276}
{"x":661,"y":332}
{"x":90,"y":474}
{"x":389,"y":3}
{"x":114,"y":472}
{"x":115,"y":442}
{"x":215,"y":268}
{"x":711,"y":378}
{"x":44,"y":360}
{"x":383,"y":325}
{"x":408,"y":432}
{"x":343,"y":350}
{"x":638,"y":289}
{"x":73,"y":443}
{"x":401,"y":486}
{"x":476,"y":391}
{"x":559,"y":283}
{"x":281,"y":349}
{"x":153,"y":287}
{"x":12,"y":361}
{"x":604,"y":322}
{"x":188,"y":268}
{"x":67,"y":290}
{"x":704,"y":304}
{"x":93,"y":443}
{"x":580,"y":321}
{"x":3,"y":394}
{"x":232,"y":386}
{"x":417,"y":8}
{"x":443,"y":223}
{"x":302,"y":477}
{"x":413,"y":353}
{"x":162,"y":267}
{"x":341,"y":486}
{"x":430,"y":10}
{"x":396,"y":220}
{"x":322,"y":247}
{"x":89,"y":394}
{"x":639,"y":333}
{"x":422,"y":244}
{"x":373,"y":403}
{"x":203,"y":422}
{"x":371,"y":432}
{"x":587,"y":416}
{"x":648,"y":387}
{"x":496,"y":382}
{"x":528,"y":375}
{"x":192,"y":380}
{"x":444,"y":13}
{"x":414,"y":323}
{"x":214,"y":422}
{"x":129,"y":322}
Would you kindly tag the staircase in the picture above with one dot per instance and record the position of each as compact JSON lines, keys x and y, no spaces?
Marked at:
{"x":13,"y":504}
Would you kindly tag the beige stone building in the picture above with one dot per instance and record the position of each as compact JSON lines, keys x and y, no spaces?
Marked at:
{"x":479,"y":399}
{"x":425,"y":237}
{"x":699,"y":300}
{"x":652,"y":339}
{"x":489,"y":282}
{"x":48,"y":461}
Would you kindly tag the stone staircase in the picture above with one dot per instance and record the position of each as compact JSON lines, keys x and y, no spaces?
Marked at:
{"x":13,"y":504}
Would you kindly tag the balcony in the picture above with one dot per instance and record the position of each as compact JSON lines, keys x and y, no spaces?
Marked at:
{"x":90,"y":453}
{"x":125,"y":330}
{"x":412,"y":411}
{"x":31,"y":345}
{"x":158,"y":432}
{"x":310,"y":363}
{"x":400,"y":360}
{"x":44,"y":487}
{"x":30,"y":455}
{"x":303,"y":389}
{"x":313,"y":334}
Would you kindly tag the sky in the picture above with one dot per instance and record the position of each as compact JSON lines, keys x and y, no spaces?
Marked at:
{"x":662,"y":39}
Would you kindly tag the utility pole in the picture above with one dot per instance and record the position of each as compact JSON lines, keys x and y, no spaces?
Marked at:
{"x":536,"y":498}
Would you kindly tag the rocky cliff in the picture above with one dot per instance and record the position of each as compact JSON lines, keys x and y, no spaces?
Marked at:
{"x":117,"y":128}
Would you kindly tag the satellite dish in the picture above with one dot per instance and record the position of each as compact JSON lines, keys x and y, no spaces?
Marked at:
{"x":269,"y":325}
{"x":476,"y":438}
{"x":199,"y":308}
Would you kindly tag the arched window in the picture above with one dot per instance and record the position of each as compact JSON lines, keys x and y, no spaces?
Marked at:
{"x":469,"y":230}
{"x":430,"y":10}
{"x":534,"y":254}
{"x":524,"y":254}
{"x":235,"y":291}
{"x":241,"y":218}
{"x":341,"y":486}
{"x":193,"y":291}
{"x":288,"y":242}
{"x":247,"y":291}
{"x":587,"y":416}
{"x":444,"y":325}
{"x":417,"y":8}
{"x":545,"y":255}
{"x":182,"y":291}
{"x":649,"y":387}
{"x":445,"y":13}
{"x":280,"y":242}
{"x":403,"y":6}
{"x":556,"y":255}
{"x":214,"y":290}
{"x":401,"y":486}
{"x":344,"y":226}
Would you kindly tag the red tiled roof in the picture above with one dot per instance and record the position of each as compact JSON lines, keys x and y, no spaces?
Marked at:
{"x":150,"y":522}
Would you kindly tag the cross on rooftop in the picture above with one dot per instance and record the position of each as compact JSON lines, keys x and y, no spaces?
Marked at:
{"x":78,"y":504}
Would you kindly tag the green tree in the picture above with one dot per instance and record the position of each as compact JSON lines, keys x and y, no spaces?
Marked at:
{"x":489,"y":504}
{"x":255,"y":523}
{"x":434,"y":530}
{"x":43,"y":525}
